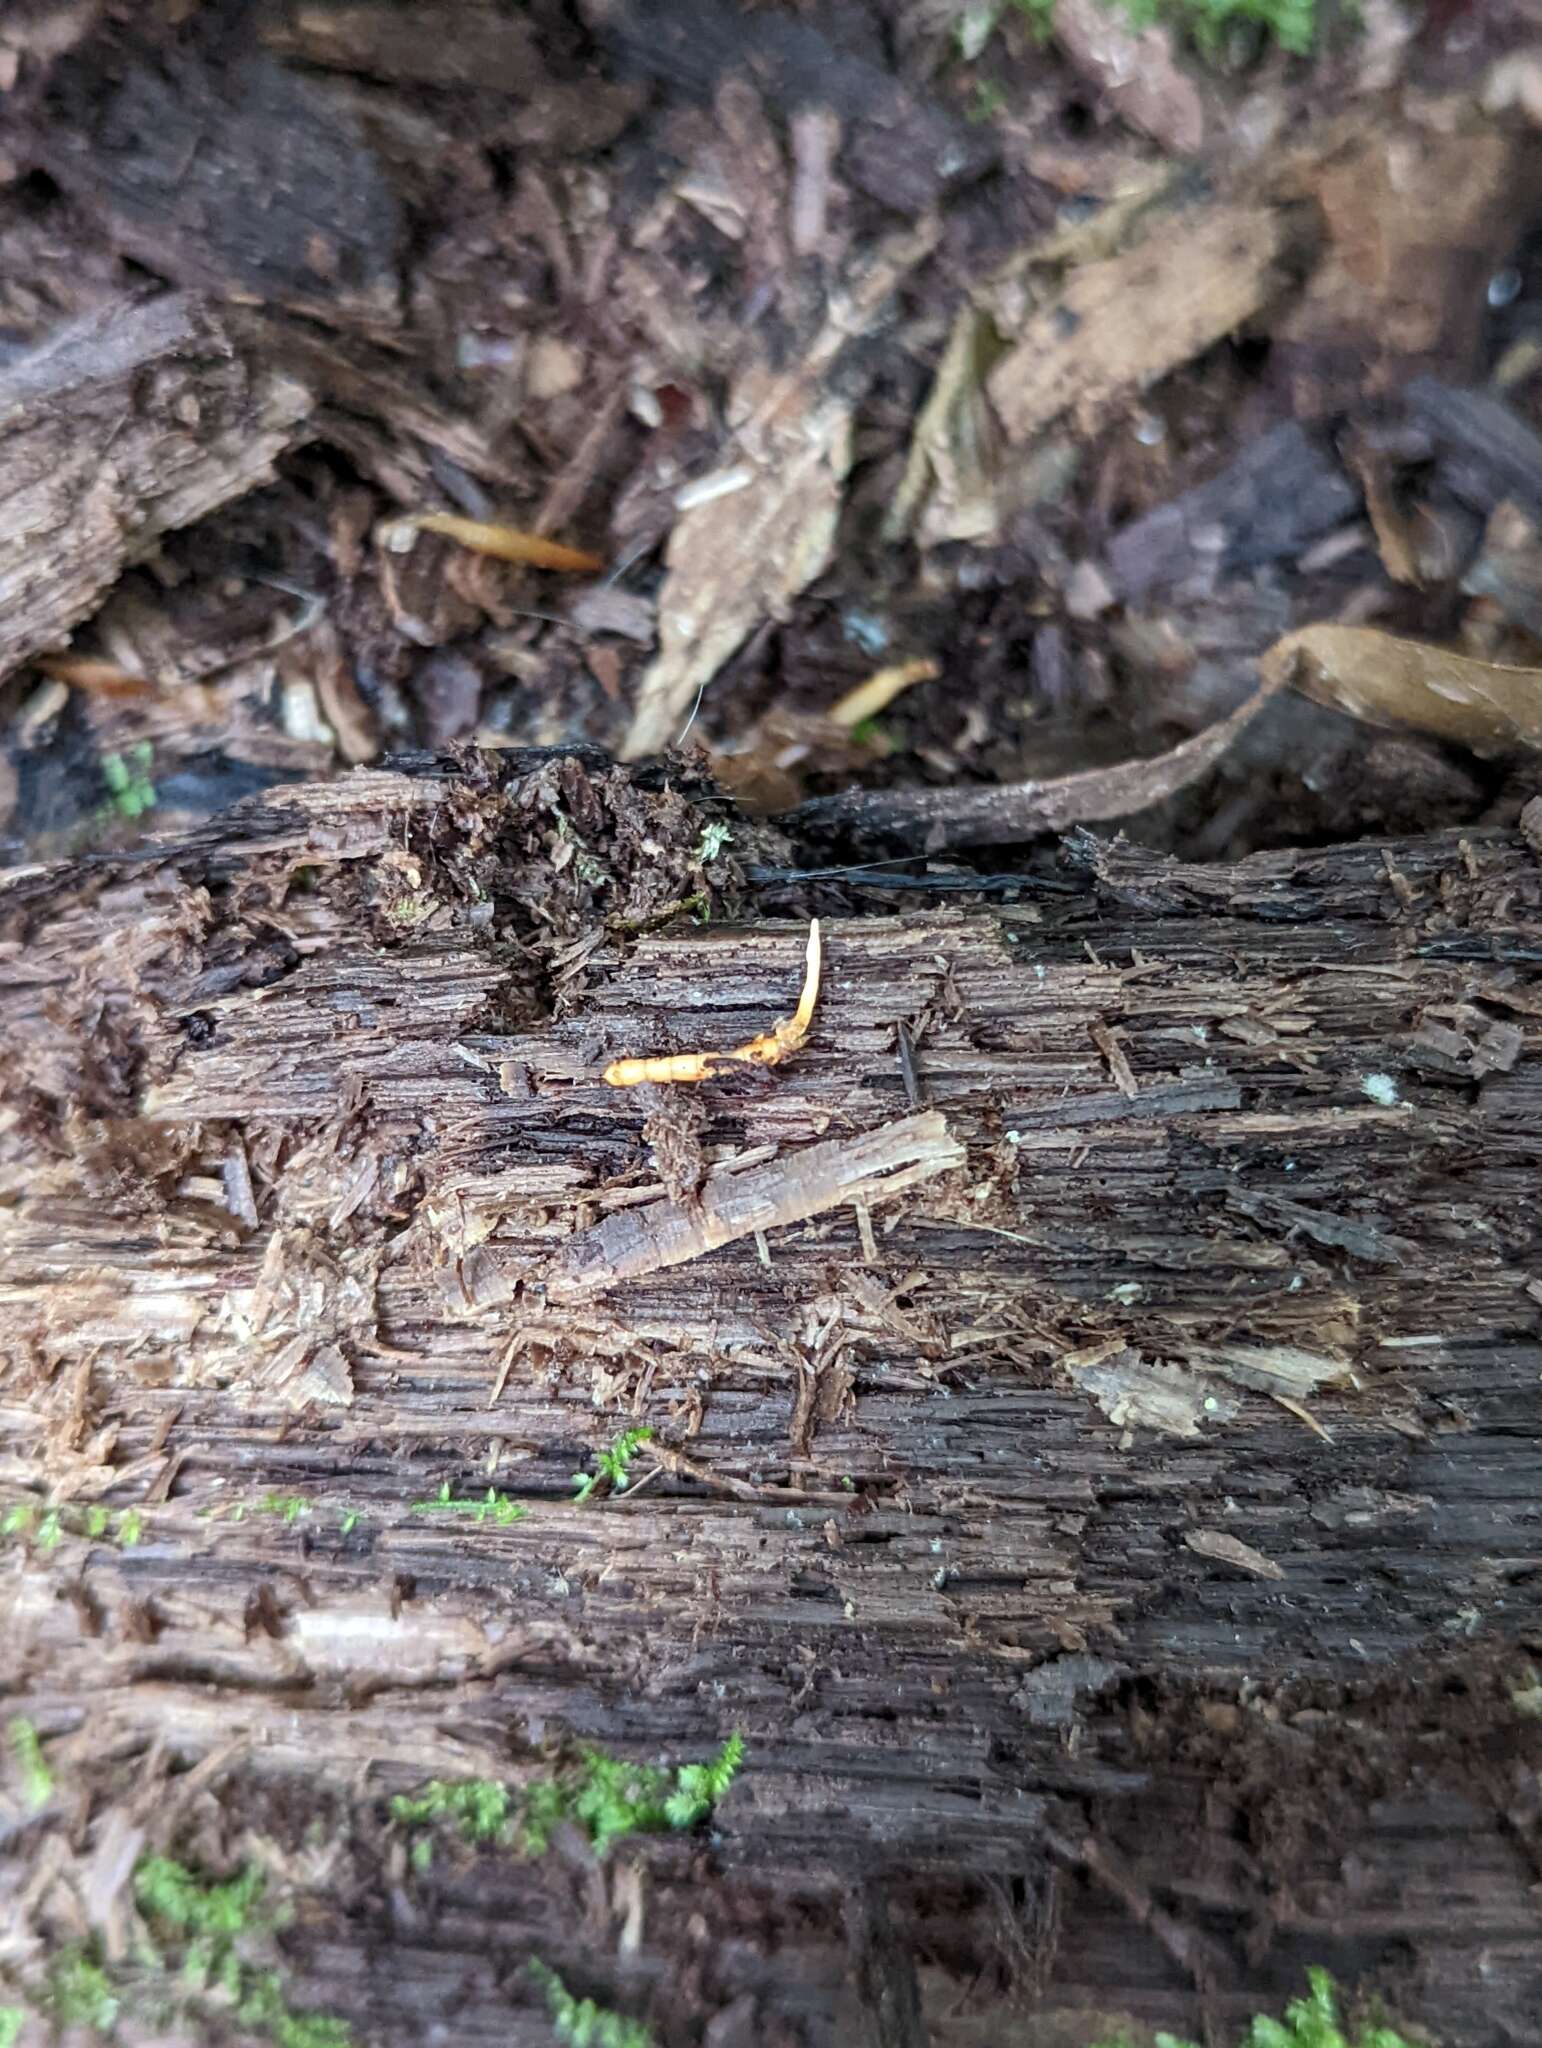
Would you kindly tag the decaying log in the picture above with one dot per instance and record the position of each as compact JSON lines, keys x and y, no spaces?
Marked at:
{"x":136,"y":420}
{"x":1119,"y":1549}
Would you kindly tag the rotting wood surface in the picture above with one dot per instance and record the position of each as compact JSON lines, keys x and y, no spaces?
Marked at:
{"x":1142,"y":1714}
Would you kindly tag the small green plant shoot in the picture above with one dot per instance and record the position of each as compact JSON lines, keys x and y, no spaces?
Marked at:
{"x":289,"y":1507}
{"x":130,"y":792}
{"x":580,"y":2023}
{"x":493,"y":1507}
{"x":612,"y":1465}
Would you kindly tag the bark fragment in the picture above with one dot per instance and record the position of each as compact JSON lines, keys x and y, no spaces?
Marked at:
{"x":136,"y":420}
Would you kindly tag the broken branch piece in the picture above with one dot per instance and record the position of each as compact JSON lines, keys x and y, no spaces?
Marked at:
{"x":635,"y":1244}
{"x":768,"y":1049}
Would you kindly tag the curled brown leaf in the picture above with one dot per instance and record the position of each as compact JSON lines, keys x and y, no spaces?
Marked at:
{"x":1389,"y":681}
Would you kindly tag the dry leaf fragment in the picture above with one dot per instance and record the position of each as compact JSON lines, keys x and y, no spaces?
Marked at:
{"x":731,"y":565}
{"x":1388,"y":681}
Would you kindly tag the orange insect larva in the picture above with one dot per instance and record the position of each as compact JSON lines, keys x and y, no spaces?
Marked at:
{"x":769,"y":1049}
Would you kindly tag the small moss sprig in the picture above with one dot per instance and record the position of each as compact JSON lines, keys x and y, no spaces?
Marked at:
{"x":130,"y":792}
{"x":1309,"y":2022}
{"x":36,"y":1778}
{"x":580,"y":2023}
{"x":715,"y":836}
{"x":48,"y":1527}
{"x":287,"y":1508}
{"x":478,"y":1806}
{"x":613,"y":1465}
{"x":493,"y":1507}
{"x":1206,"y":23}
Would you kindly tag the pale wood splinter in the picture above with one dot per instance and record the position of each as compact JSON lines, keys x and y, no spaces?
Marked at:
{"x":769,"y":1049}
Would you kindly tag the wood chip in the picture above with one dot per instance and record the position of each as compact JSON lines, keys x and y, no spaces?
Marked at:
{"x":1417,"y":219}
{"x":1139,"y":1393}
{"x":634,"y":1243}
{"x":1120,"y":324}
{"x":1277,"y":1369}
{"x":159,"y":138}
{"x":732,"y":565}
{"x":1119,"y":1067}
{"x":1135,"y":70}
{"x":1232,"y":1550}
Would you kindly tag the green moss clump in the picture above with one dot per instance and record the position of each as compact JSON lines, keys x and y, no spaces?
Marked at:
{"x":480,"y":1806}
{"x":608,"y":1797}
{"x":580,"y":2023}
{"x":1207,"y":23}
{"x":1310,"y":2022}
{"x":169,"y":1892}
{"x":205,"y":1929}
{"x":81,"y":1992}
{"x":604,"y":1795}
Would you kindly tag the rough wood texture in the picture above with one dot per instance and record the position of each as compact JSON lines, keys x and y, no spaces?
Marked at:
{"x":1099,"y":1714}
{"x":156,"y":140}
{"x":136,"y":420}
